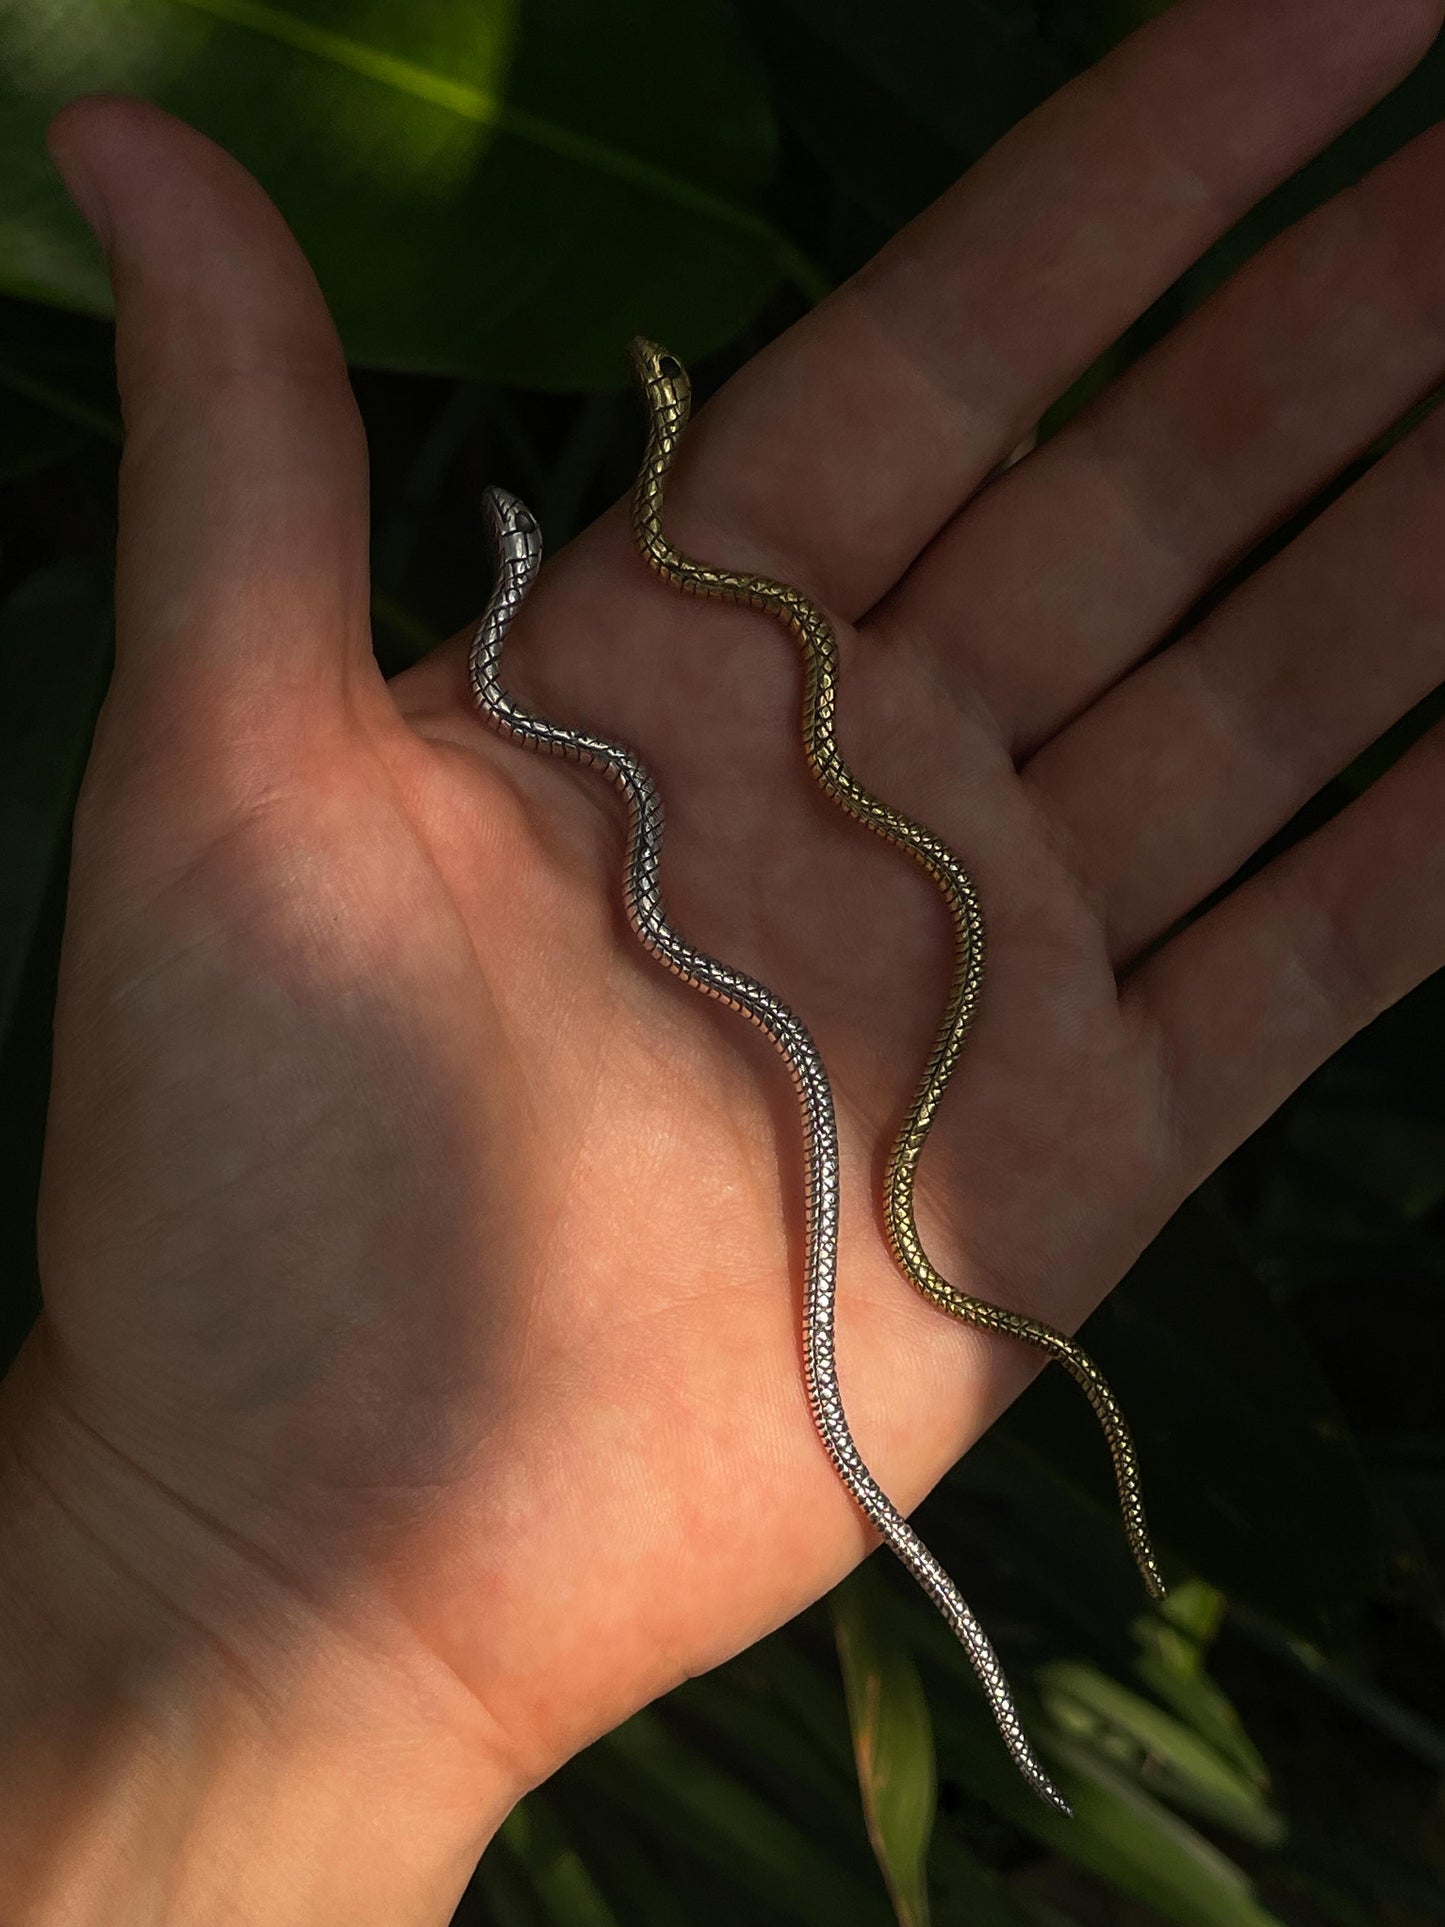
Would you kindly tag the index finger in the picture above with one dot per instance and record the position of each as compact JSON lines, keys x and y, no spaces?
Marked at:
{"x":836,"y":455}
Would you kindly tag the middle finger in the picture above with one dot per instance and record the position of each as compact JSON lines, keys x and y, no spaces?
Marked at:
{"x":1067,"y":570}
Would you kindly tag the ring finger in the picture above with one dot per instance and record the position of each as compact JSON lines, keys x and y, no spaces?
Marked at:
{"x":1068,"y":570}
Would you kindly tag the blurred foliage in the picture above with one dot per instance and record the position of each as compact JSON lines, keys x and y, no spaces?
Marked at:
{"x":418,"y":152}
{"x":892,"y":1740}
{"x":495,"y":194}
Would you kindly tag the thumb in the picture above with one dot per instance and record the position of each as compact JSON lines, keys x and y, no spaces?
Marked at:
{"x":241,"y":589}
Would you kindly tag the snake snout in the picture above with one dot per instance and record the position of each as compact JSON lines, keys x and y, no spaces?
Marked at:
{"x":659,"y":370}
{"x":507,"y":515}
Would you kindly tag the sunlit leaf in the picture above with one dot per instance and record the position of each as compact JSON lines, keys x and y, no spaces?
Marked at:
{"x":1174,"y":1638}
{"x":892,"y":1739}
{"x":1158,"y":1750}
{"x":1128,"y":1837}
{"x":511,"y":187}
{"x":1119,"y":1830}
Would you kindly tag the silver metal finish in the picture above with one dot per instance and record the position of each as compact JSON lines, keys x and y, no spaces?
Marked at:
{"x":519,"y":551}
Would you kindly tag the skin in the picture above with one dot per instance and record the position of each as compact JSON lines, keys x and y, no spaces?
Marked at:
{"x":418,"y":1387}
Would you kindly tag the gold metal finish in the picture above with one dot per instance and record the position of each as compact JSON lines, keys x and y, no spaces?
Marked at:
{"x":668,"y":396}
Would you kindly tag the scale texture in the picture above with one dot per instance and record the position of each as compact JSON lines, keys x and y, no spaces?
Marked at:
{"x":519,"y":551}
{"x":668,"y":396}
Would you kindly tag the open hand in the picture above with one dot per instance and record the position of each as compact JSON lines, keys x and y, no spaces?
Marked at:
{"x":421,"y":1262}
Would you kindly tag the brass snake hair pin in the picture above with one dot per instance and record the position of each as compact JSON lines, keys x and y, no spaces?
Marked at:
{"x":519,"y":549}
{"x":668,"y":397}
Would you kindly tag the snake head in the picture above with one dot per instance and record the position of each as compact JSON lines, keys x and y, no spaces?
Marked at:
{"x":662,"y":375}
{"x":516,"y":538}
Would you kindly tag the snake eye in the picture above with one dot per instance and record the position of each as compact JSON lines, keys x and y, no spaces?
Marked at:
{"x":669,"y":365}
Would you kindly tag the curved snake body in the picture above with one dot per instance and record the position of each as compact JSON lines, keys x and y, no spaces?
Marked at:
{"x":518,"y":547}
{"x":668,"y":396}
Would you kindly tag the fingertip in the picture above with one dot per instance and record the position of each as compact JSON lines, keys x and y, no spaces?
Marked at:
{"x":242,"y":435}
{"x":208,"y":277}
{"x":70,"y":143}
{"x":70,"y":122}
{"x":119,"y":156}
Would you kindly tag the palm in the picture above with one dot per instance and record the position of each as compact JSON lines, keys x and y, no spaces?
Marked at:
{"x":495,"y":1282}
{"x":568,"y":1181}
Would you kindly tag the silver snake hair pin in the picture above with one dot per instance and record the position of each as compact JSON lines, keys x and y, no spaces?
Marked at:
{"x":518,"y":545}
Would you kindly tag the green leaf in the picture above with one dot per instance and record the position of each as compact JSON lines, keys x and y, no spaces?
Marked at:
{"x":535,"y":1839}
{"x":793,"y":1677}
{"x":757,"y":1716}
{"x":1119,"y":1830}
{"x":1157,"y":1749}
{"x":892,"y":1739}
{"x":642,"y":1873}
{"x":744,"y":1720}
{"x":1173,"y":1638}
{"x":643,"y":1771}
{"x":504,"y":187}
{"x":1125,"y":1835}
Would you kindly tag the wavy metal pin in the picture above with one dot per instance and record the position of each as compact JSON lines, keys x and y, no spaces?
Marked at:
{"x":668,"y":396}
{"x":519,"y":548}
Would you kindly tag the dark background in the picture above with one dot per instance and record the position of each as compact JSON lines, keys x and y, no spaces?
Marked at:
{"x":496,"y":196}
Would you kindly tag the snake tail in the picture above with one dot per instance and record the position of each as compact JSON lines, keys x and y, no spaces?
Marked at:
{"x":667,"y":394}
{"x":518,"y":551}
